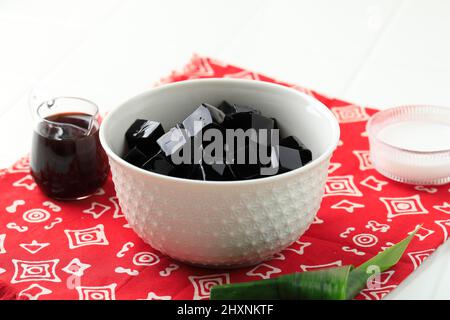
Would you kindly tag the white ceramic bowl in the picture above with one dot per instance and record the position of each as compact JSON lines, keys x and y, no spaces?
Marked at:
{"x":232,"y":223}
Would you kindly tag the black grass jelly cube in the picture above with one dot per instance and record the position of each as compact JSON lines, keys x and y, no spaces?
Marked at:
{"x":144,"y":134}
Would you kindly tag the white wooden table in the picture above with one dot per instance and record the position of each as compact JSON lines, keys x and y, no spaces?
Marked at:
{"x":373,"y":52}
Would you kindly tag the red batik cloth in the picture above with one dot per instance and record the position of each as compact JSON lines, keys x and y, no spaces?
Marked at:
{"x":85,"y":250}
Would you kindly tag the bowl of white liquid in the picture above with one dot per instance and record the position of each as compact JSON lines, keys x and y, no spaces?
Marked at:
{"x":411,"y":144}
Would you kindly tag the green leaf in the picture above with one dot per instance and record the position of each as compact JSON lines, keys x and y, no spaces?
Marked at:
{"x":389,"y":257}
{"x":332,"y":283}
{"x":381,"y":262}
{"x":321,"y":284}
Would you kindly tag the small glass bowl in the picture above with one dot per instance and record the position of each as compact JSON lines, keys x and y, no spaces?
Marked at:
{"x":411,"y":144}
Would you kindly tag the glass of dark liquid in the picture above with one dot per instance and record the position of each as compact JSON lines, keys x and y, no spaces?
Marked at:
{"x":67,"y":161}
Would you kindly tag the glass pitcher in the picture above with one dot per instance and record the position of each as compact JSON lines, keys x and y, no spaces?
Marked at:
{"x":67,"y":161}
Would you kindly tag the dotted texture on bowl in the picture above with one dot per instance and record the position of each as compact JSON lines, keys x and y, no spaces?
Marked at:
{"x":220,"y":225}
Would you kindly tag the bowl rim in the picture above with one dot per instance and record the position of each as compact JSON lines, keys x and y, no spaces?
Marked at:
{"x":389,"y":112}
{"x":324,"y":110}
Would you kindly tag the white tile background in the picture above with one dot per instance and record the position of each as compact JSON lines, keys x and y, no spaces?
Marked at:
{"x":373,"y":52}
